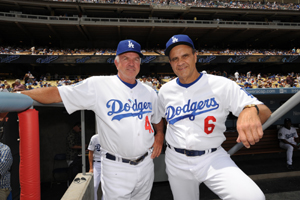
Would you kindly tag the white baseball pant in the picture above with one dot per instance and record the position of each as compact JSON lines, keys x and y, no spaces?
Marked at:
{"x":216,"y":170}
{"x":289,"y":152}
{"x":122,"y":181}
{"x":97,"y":177}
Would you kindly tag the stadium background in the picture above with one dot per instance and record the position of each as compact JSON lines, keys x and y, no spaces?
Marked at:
{"x":74,"y":25}
{"x":96,"y":25}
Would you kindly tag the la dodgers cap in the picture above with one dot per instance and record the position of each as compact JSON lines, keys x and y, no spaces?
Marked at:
{"x":177,"y":40}
{"x":129,"y":46}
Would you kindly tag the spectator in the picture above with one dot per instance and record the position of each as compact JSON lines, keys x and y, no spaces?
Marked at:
{"x":149,"y":81}
{"x":26,"y":77}
{"x":144,"y":79}
{"x":236,"y":75}
{"x":3,"y":89}
{"x":32,"y":50}
{"x":258,"y":76}
{"x":61,"y":82}
{"x":5,"y":82}
{"x":6,"y":161}
{"x":17,"y":86}
{"x":9,"y":89}
{"x":290,"y":80}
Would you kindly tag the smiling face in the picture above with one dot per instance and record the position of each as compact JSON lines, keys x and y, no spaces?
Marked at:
{"x":128,"y":66}
{"x":183,"y":62}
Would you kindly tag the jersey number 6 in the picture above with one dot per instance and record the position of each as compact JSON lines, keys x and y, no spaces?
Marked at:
{"x":209,"y":128}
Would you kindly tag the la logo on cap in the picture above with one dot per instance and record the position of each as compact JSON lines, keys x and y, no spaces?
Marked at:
{"x":130,"y":45}
{"x":174,"y":39}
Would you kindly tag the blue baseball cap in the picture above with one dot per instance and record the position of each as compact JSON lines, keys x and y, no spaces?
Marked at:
{"x":129,"y":46}
{"x":287,"y":120}
{"x":177,"y":40}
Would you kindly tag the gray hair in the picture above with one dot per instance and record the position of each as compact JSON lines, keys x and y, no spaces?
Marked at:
{"x":117,"y":58}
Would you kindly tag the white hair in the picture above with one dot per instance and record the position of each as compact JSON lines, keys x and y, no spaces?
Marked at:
{"x":117,"y":58}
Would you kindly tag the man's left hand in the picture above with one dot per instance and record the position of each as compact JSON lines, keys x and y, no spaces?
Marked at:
{"x":249,"y":127}
{"x":157,"y":145}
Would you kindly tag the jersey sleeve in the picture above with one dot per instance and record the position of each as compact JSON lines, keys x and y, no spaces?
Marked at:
{"x":156,"y":118}
{"x":79,"y":96}
{"x":91,"y":145}
{"x":239,"y":98}
{"x":160,"y":104}
{"x":296,"y":135}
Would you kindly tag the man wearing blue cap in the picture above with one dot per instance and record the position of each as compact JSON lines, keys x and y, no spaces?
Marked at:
{"x":196,"y":106}
{"x":126,"y":112}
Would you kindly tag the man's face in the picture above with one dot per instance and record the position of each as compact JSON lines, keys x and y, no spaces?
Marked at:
{"x":288,"y":124}
{"x":183,"y":63}
{"x":77,"y":128}
{"x":128,"y":66}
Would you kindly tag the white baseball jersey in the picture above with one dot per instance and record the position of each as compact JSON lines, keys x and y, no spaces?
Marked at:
{"x":94,"y":146}
{"x":288,"y":134}
{"x":236,"y":75}
{"x":123,"y":115}
{"x":196,"y":114}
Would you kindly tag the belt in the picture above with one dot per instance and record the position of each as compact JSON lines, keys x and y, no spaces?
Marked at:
{"x":131,"y":162}
{"x":191,"y":152}
{"x":96,"y":161}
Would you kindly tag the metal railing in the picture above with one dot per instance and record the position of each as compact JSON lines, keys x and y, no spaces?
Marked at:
{"x":4,"y":16}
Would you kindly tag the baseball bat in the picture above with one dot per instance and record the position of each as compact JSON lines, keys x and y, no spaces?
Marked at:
{"x":284,"y":108}
{"x":14,"y":102}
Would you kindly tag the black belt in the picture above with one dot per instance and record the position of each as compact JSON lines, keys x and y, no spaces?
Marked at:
{"x":191,"y":152}
{"x":132,"y":162}
{"x":96,"y":161}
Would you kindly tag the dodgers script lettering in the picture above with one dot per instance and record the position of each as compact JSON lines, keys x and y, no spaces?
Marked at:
{"x":193,"y":109}
{"x":122,"y":110}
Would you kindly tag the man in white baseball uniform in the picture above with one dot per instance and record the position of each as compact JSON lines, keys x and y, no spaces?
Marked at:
{"x":95,"y":162}
{"x":126,"y":112}
{"x":289,"y":140}
{"x":196,"y":106}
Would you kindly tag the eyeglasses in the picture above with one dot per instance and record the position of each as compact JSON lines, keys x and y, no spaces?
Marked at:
{"x":79,"y":180}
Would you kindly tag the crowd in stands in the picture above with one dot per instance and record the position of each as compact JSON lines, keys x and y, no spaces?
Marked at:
{"x":264,"y":5}
{"x":247,"y":81}
{"x":89,"y":51}
{"x":250,"y":80}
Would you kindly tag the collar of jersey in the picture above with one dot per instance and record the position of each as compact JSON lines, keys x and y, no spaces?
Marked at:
{"x":128,"y":84}
{"x":189,"y":84}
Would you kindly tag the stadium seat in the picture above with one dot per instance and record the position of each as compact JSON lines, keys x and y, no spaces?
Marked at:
{"x":60,"y":172}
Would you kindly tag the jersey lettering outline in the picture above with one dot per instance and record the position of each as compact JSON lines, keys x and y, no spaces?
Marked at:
{"x":117,"y":107}
{"x":288,"y":136}
{"x":172,"y":112}
{"x":97,"y":147}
